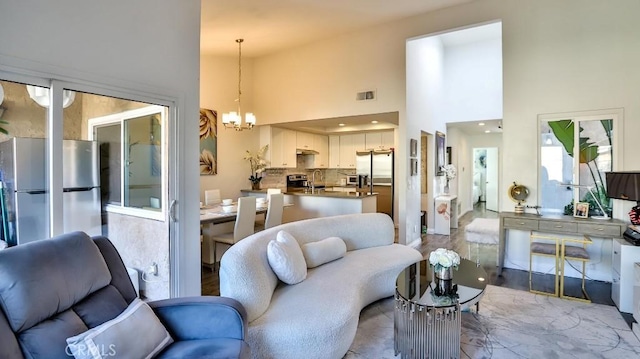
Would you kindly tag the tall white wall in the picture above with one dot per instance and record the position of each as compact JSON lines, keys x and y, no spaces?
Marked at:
{"x":425,"y":97}
{"x":146,"y":47}
{"x":557,"y":56}
{"x":473,"y":81}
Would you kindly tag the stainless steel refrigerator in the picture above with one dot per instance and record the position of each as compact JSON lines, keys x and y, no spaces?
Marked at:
{"x":22,"y":170}
{"x":378,"y":166}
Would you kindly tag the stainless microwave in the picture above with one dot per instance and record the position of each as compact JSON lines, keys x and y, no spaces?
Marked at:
{"x":352,"y":179}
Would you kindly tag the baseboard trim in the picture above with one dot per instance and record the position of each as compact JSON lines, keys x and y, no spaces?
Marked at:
{"x":416,"y":243}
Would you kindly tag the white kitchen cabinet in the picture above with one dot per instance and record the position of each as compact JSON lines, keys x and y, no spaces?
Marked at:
{"x":282,"y":146}
{"x":378,"y":140}
{"x":349,"y":144}
{"x":625,"y":255}
{"x":304,"y":140}
{"x":372,"y":140}
{"x":334,"y":151}
{"x":321,"y":159}
{"x":387,"y":140}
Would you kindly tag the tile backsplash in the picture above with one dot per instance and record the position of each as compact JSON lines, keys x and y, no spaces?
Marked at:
{"x":277,"y":177}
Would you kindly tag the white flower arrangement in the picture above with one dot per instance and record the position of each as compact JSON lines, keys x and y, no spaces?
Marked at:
{"x":450,"y":171}
{"x":444,"y":258}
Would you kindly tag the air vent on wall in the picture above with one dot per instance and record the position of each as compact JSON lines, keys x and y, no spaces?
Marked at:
{"x":366,"y":95}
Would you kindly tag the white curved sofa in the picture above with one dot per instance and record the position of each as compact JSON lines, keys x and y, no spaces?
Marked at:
{"x":318,"y":317}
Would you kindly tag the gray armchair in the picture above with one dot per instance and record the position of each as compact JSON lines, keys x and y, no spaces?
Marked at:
{"x":54,"y":289}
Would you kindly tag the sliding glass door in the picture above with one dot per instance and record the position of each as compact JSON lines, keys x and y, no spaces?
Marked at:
{"x":72,"y":159}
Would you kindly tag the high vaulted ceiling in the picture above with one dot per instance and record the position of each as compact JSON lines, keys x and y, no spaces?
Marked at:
{"x":272,"y":25}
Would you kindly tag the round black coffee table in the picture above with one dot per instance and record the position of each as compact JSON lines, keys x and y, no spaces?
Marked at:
{"x":427,"y":310}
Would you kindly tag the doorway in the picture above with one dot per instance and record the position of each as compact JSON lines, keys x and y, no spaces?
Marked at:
{"x":485,"y":177}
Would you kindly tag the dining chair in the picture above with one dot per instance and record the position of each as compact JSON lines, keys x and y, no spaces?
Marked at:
{"x":212,"y":197}
{"x":245,"y":219}
{"x":274,"y":212}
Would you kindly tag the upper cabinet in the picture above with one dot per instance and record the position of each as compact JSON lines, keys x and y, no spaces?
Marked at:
{"x":282,"y":146}
{"x":284,"y":143}
{"x":334,"y":151}
{"x":349,"y":144}
{"x":304,"y":140}
{"x":320,"y":145}
{"x":379,"y":140}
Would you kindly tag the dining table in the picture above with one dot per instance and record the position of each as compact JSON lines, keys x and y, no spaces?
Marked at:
{"x":216,"y":214}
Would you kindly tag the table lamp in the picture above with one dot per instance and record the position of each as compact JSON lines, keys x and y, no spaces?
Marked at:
{"x":626,"y":186}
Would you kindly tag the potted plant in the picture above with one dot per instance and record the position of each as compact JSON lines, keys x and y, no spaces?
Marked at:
{"x":258,"y":164}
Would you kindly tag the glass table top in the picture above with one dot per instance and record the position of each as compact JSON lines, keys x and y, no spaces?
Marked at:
{"x":417,"y":284}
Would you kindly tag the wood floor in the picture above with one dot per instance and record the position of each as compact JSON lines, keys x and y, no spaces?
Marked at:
{"x":600,"y":292}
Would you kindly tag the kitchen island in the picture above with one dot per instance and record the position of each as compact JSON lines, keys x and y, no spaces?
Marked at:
{"x":322,"y":203}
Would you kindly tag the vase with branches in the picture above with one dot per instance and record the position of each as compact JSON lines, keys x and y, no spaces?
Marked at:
{"x":258,"y":164}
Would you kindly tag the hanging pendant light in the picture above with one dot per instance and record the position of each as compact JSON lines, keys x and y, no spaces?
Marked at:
{"x":234,"y":119}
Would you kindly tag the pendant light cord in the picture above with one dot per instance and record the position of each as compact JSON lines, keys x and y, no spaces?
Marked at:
{"x":239,"y":41}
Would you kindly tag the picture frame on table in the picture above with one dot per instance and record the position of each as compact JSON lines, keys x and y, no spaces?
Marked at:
{"x":440,"y":153}
{"x":581,"y":210}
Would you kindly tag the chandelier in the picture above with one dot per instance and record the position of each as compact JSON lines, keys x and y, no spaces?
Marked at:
{"x":234,"y":119}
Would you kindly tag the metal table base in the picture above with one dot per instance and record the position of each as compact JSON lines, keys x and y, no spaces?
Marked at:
{"x":422,"y":332}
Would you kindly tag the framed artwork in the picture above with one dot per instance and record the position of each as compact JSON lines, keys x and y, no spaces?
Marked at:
{"x":440,"y":153}
{"x":208,"y":142}
{"x":414,"y":166}
{"x":413,"y":148}
{"x":581,"y":210}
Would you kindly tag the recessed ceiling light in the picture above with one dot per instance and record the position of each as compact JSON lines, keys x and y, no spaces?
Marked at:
{"x":374,"y":121}
{"x":341,"y":124}
{"x":487,"y":131}
{"x":481,"y":124}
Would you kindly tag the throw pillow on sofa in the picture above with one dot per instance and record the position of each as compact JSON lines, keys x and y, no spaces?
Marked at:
{"x":286,"y":259}
{"x":135,"y":333}
{"x":324,"y":251}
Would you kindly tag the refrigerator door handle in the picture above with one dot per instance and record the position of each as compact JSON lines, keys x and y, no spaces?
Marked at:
{"x":33,"y":192}
{"x":77,"y":189}
{"x":172,"y":214}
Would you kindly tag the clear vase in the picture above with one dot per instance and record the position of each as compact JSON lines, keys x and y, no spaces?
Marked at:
{"x":255,"y":186}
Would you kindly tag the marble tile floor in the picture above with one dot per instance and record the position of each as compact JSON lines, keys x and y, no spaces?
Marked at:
{"x":514,"y":324}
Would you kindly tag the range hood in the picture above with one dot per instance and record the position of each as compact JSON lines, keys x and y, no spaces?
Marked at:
{"x":302,"y":151}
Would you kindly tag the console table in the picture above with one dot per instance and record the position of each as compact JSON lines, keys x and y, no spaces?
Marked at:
{"x":612,"y":228}
{"x":446,"y":214}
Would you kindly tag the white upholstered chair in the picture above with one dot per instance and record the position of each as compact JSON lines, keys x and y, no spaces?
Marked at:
{"x":245,"y":219}
{"x":212,"y":197}
{"x":274,"y":212}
